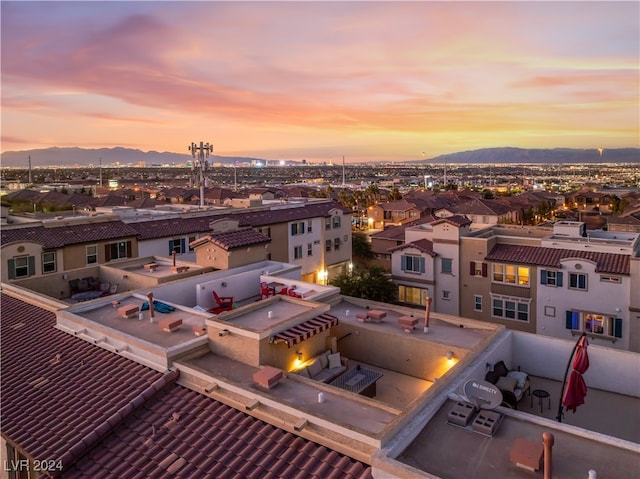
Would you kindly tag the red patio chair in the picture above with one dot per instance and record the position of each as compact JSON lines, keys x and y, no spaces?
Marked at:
{"x":293,"y":294}
{"x":225,"y":303}
{"x":266,"y":290}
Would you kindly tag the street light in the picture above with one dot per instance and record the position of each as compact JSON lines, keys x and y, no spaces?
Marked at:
{"x":200,"y":153}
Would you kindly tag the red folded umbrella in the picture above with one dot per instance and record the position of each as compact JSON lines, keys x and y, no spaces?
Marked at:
{"x":576,"y":387}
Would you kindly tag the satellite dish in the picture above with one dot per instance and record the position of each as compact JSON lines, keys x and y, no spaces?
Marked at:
{"x":482,"y":393}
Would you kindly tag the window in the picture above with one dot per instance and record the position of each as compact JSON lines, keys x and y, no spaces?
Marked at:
{"x":337,"y":221}
{"x":21,"y":267}
{"x":446,"y":295}
{"x":119,"y":250}
{"x":511,"y":274}
{"x":92,"y":254}
{"x":578,"y":281}
{"x":191,"y":240}
{"x":551,"y":278}
{"x":336,"y":244}
{"x":309,"y":226}
{"x":297,"y":252}
{"x":49,"y":262}
{"x":327,"y":223}
{"x":477,"y":302}
{"x":447,"y":265}
{"x":611,"y":279}
{"x":409,"y":294}
{"x":327,"y":245}
{"x":309,"y":249}
{"x":478,"y":268}
{"x":412,"y":263}
{"x":297,"y":228}
{"x":510,"y":308}
{"x":177,"y":245}
{"x":596,"y":324}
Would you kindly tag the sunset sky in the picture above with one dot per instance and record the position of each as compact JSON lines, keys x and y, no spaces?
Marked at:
{"x":319,"y":80}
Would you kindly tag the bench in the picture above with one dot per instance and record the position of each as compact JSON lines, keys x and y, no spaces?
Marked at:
{"x":169,"y":325}
{"x":527,"y":454}
{"x":150,"y":266}
{"x":407,"y":322}
{"x":376,"y":315}
{"x":128,"y":311}
{"x":267,"y":377}
{"x":179,"y":269}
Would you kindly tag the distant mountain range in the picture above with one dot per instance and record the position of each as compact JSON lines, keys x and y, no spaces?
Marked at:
{"x":129,"y":156}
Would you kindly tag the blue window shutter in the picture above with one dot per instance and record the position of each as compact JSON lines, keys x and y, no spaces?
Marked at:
{"x":182,"y":245}
{"x":32,"y":265}
{"x":617,"y":327}
{"x":403,"y":263}
{"x":170,"y":247}
{"x":543,"y":276}
{"x":301,"y":228}
{"x":569,"y":320}
{"x":11,"y":266}
{"x":559,"y":279}
{"x":422,"y":265}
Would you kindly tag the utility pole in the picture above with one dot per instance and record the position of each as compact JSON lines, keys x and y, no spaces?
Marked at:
{"x":344,"y":182}
{"x":100,"y":159}
{"x":30,"y":181}
{"x":200,"y":154}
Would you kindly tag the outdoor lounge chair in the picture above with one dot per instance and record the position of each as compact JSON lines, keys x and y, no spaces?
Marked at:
{"x":224,"y":303}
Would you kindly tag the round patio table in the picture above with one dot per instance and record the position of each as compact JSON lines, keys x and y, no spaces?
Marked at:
{"x":540,"y":394}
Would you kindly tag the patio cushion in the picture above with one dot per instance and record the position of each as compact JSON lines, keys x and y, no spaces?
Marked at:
{"x":314,"y":368}
{"x":507,"y":384}
{"x":334,"y":361}
{"x":520,"y":376}
{"x":323,"y":358}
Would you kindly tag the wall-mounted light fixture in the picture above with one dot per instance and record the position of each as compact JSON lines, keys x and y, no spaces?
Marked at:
{"x":224,"y":332}
{"x":299,"y":354}
{"x":223,"y":284}
{"x":449,"y":355}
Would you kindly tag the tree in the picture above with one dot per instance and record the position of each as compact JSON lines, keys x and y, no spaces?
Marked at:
{"x":367,"y":283}
{"x":361,"y":248}
{"x":395,"y":194}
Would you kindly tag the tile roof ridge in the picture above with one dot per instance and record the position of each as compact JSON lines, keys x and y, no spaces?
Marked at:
{"x":90,"y":440}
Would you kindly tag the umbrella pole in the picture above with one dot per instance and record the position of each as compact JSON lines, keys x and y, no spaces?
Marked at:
{"x":566,"y":372}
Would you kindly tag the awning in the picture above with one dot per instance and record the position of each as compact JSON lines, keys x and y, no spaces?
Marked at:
{"x":305,"y":330}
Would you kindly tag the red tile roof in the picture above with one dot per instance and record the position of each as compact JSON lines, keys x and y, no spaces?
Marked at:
{"x":229,"y":240}
{"x":423,"y":245}
{"x":110,"y":417}
{"x":541,"y":256}
{"x":59,"y":236}
{"x":456,"y":220}
{"x":200,"y":224}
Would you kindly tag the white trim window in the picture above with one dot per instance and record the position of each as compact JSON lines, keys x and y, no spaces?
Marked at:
{"x":507,"y":307}
{"x":578,"y":281}
{"x":49,"y":262}
{"x":477,"y":302}
{"x":510,"y":274}
{"x":92,"y":254}
{"x":297,"y":252}
{"x":595,"y":324}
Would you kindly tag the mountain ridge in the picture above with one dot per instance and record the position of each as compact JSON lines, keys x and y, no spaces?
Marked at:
{"x":71,"y":156}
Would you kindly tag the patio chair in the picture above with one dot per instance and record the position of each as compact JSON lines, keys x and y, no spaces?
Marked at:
{"x":224,"y":303}
{"x":293,"y":294}
{"x":266,"y":290}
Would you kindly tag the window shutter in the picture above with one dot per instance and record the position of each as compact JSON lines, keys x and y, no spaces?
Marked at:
{"x":107,"y":253}
{"x":559,"y":279}
{"x":484,"y":270}
{"x":293,"y":229}
{"x":569,"y":320}
{"x":129,"y":253}
{"x":617,"y":327}
{"x":32,"y":265}
{"x":170,"y":247}
{"x":472,"y":268}
{"x":543,"y":276}
{"x":11,"y":266}
{"x":403,"y":263}
{"x":182,"y":245}
{"x":301,"y":228}
{"x":422,"y":265}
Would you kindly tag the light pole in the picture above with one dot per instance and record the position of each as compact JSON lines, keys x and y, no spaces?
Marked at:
{"x":200,"y":154}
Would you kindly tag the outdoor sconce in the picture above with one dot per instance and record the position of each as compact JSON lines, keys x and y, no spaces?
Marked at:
{"x":449,"y":355}
{"x":224,"y":332}
{"x":223,"y":284}
{"x":299,"y":354}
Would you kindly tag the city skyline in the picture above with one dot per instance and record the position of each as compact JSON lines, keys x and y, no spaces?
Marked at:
{"x":291,"y":80}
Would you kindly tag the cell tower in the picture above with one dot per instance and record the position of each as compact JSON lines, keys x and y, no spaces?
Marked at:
{"x":200,"y":154}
